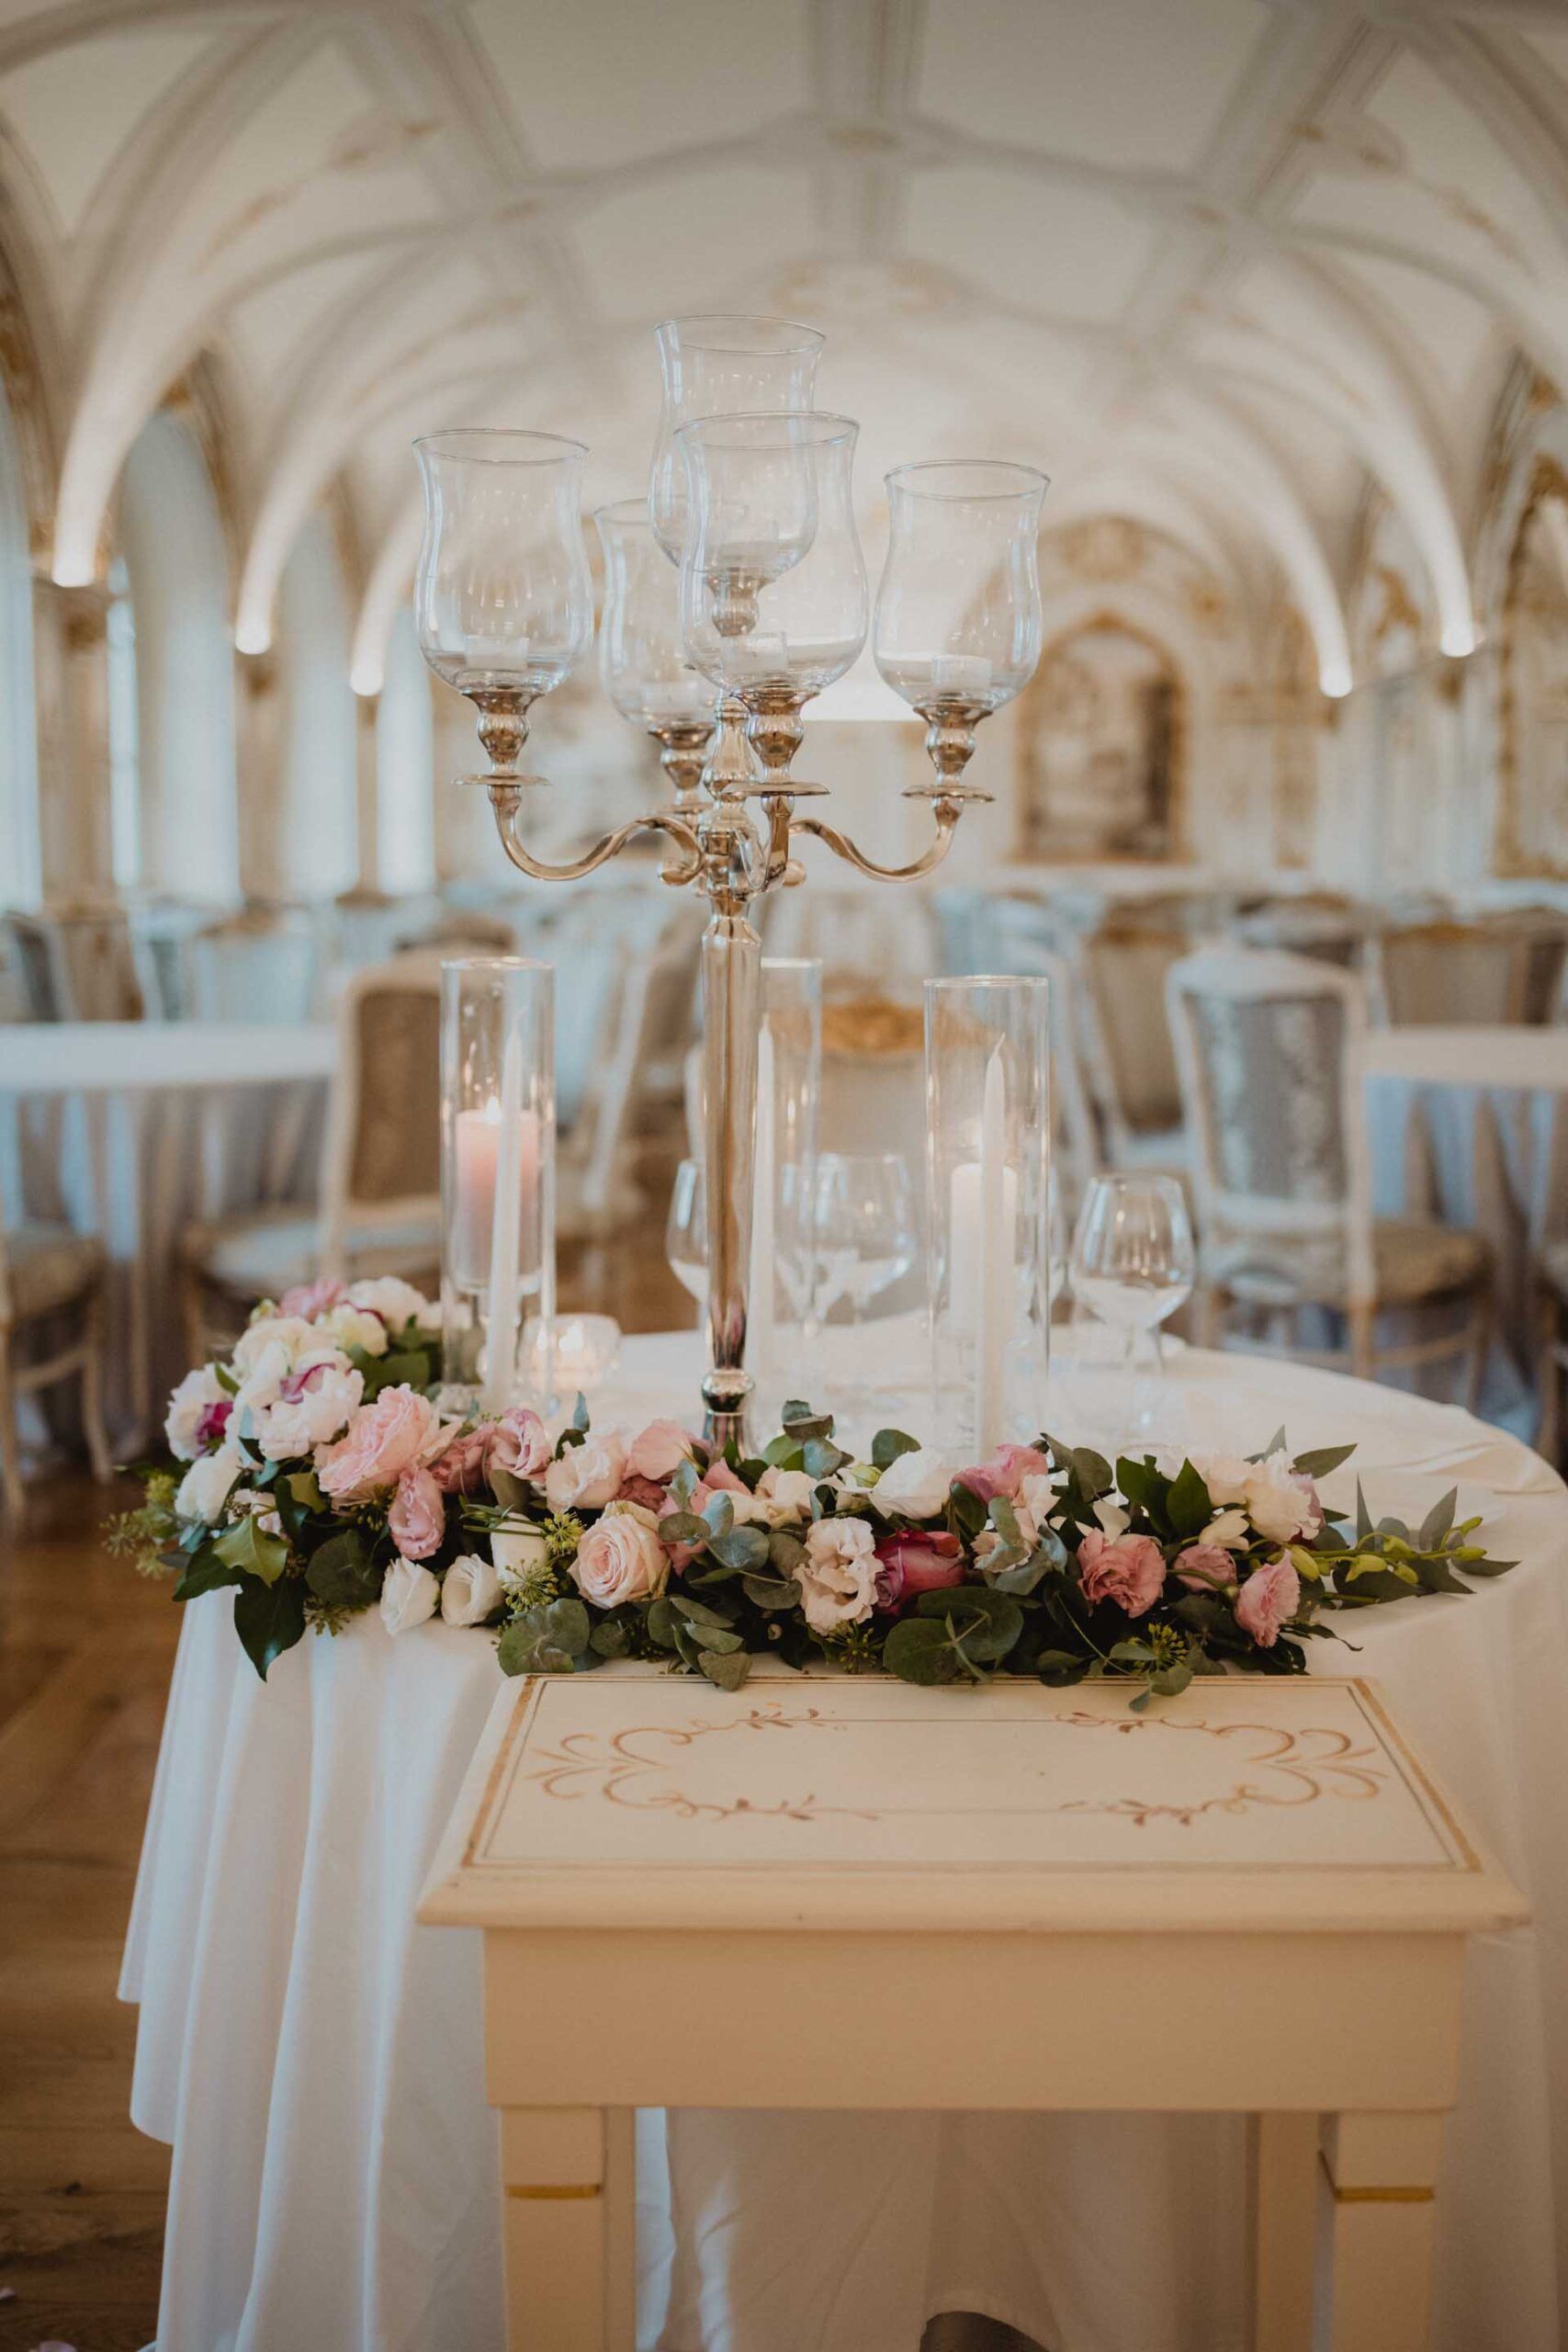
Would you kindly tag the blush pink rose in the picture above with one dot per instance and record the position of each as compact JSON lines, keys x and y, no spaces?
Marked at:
{"x":1204,"y":1568}
{"x":718,"y":1478}
{"x":1269,"y":1599}
{"x":464,"y":1467}
{"x":417,"y":1520}
{"x":659,"y":1451}
{"x":310,"y":1299}
{"x":620,"y":1558}
{"x":520,"y":1443}
{"x":915,"y":1563}
{"x":1006,"y":1471}
{"x":1129,"y":1570}
{"x":382,"y":1442}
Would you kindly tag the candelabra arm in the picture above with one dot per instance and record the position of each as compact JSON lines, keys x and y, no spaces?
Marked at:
{"x":947,"y":813}
{"x":506,"y":800}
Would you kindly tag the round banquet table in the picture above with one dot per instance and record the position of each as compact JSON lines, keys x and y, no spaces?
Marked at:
{"x":315,"y":2058}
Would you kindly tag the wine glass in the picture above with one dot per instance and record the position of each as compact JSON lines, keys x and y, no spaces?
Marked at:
{"x":641,"y":658}
{"x":719,"y":366}
{"x":958,"y":613}
{"x":686,"y":1230}
{"x":503,"y":598}
{"x":866,"y":1227}
{"x":774,"y":600}
{"x":1133,"y":1260}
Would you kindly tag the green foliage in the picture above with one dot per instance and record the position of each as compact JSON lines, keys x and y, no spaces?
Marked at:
{"x":269,"y":1618}
{"x":553,"y":1637}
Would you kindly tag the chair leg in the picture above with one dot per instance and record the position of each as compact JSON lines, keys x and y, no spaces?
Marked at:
{"x":12,"y":1483}
{"x":98,"y":1448}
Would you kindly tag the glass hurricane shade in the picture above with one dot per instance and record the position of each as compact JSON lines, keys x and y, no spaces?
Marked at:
{"x":503,"y":598}
{"x":642,"y":660}
{"x":958,"y":615}
{"x":718,"y":365}
{"x":773,"y":599}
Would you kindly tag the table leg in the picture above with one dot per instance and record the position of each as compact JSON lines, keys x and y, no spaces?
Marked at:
{"x":1282,"y":2195}
{"x":569,"y":2182}
{"x":1382,"y":2172}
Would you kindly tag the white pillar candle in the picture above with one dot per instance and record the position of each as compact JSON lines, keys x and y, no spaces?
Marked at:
{"x":477,"y":1145}
{"x":999,"y":1218}
{"x":760,"y":1311}
{"x":506,"y":1220}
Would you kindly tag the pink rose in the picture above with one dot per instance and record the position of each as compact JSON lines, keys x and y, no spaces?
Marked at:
{"x":464,"y":1467}
{"x":417,"y":1520}
{"x":915,"y":1563}
{"x":213,"y":1420}
{"x":1270,"y":1596}
{"x":587,"y":1477}
{"x":1204,"y":1568}
{"x":718,"y":1478}
{"x":1129,"y":1570}
{"x":620,"y":1558}
{"x":310,"y":1299}
{"x":520,"y":1443}
{"x":1006,"y":1471}
{"x":382,"y":1442}
{"x":682,"y":1555}
{"x":659,"y":1451}
{"x":646,"y":1491}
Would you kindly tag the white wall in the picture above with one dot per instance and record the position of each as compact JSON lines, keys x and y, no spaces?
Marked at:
{"x":20,"y":866}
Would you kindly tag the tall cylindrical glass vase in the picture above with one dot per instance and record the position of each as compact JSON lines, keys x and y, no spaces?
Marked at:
{"x":498,"y":1150}
{"x":988,"y":1166}
{"x":783,"y":1284}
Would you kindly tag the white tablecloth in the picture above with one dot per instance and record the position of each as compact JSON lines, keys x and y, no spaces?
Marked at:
{"x":316,"y":2058}
{"x":135,"y":1130}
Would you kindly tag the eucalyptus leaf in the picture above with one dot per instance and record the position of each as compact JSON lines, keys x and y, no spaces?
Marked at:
{"x":342,"y":1573}
{"x":609,"y":1638}
{"x":550,"y":1638}
{"x":889,"y":1445}
{"x":820,"y":1457}
{"x":785,"y":1452}
{"x":785,"y":1552}
{"x":988,"y":1624}
{"x":716,"y":1640}
{"x":697,"y":1612}
{"x":719,"y":1513}
{"x":918,"y":1650}
{"x":743,"y":1547}
{"x":727,"y":1670}
{"x":770,"y":1593}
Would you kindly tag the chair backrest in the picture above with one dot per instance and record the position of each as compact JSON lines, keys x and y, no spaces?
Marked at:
{"x":383,"y":1145}
{"x":1543,"y":932}
{"x":77,"y":966}
{"x":262,"y":964}
{"x":1270,"y":1048}
{"x":648,"y":1016}
{"x":1129,"y":1055}
{"x":1454,"y":974}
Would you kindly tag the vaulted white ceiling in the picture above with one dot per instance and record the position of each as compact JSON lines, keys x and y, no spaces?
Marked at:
{"x":1215,"y":262}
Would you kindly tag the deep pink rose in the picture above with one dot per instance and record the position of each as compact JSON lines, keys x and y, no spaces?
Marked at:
{"x":464,"y":1467}
{"x":913,"y":1562}
{"x":659,"y":1451}
{"x":214,"y":1420}
{"x":1130,"y":1571}
{"x":647,"y":1491}
{"x":1006,"y":1471}
{"x":520,"y":1443}
{"x":1205,"y":1567}
{"x":382,"y":1442}
{"x":1269,"y":1599}
{"x":310,"y":1299}
{"x":417,"y":1520}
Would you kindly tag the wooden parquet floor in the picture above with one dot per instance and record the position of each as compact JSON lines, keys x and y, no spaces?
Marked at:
{"x":85,"y":1653}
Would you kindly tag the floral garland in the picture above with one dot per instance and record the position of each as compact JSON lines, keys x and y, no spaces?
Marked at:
{"x":324,"y":1478}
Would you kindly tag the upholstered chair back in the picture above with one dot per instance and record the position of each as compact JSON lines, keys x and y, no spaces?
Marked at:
{"x":383,"y":1160}
{"x":1131,"y":1060}
{"x":1455,"y":974}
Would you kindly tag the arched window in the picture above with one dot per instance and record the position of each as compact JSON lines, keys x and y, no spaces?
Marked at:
{"x":177,"y":572}
{"x":317,"y":843}
{"x":19,"y":850}
{"x":405,"y":766}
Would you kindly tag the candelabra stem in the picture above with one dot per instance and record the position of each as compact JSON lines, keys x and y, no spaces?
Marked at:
{"x":732,"y":999}
{"x":731,"y":767}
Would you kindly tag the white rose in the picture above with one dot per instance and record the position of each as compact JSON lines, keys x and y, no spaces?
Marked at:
{"x":516,"y":1550}
{"x":1230,"y":1530}
{"x":1225,"y":1476}
{"x":396,"y":1302}
{"x":789,"y":1491}
{"x":408,"y":1595}
{"x":1281,"y":1504}
{"x":297,"y":1338}
{"x":838,"y":1576}
{"x":469,"y":1590}
{"x":354,"y":1327}
{"x":288,"y":1427}
{"x":204,"y":1489}
{"x":588,"y":1475}
{"x":190,"y":1400}
{"x":621,"y":1558}
{"x":917,"y":1485}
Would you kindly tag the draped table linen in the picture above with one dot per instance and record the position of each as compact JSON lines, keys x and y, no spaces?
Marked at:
{"x":316,"y":2059}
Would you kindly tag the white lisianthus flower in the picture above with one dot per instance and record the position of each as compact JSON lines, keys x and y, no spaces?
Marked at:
{"x":469,"y":1590}
{"x":408,"y":1595}
{"x":1114,"y":1521}
{"x":259,"y":1507}
{"x":297,"y":1338}
{"x":916,"y":1485}
{"x":1037,"y":1499}
{"x":1231,"y":1529}
{"x":1283,"y":1503}
{"x":1225,"y":1476}
{"x":789,"y":1493}
{"x":349,"y":1325}
{"x":517,"y":1552}
{"x":588,"y":1475}
{"x":205,"y":1488}
{"x":190,"y":1400}
{"x":396,"y":1302}
{"x":837,"y":1574}
{"x":296,"y":1424}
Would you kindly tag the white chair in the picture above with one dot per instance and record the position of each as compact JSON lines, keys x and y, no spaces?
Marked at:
{"x":380,"y":1198}
{"x":1270,"y":1049}
{"x":1129,"y":1058}
{"x":77,"y":964}
{"x":1456,"y":974}
{"x":49,"y":1274}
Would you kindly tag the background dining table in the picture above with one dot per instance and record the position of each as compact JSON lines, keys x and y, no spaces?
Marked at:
{"x":315,"y":2058}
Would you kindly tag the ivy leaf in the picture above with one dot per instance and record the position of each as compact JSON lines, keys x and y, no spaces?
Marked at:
{"x":889,"y":1445}
{"x":268,"y":1618}
{"x":246,"y":1547}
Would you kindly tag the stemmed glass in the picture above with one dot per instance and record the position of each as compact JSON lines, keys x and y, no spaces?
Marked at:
{"x":958,"y":613}
{"x":1133,"y":1260}
{"x":866,"y":1236}
{"x":505,"y":597}
{"x":686,"y":1230}
{"x":641,"y":658}
{"x":773,"y":582}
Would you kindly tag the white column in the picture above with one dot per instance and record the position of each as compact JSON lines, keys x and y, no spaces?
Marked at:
{"x":71,"y":691}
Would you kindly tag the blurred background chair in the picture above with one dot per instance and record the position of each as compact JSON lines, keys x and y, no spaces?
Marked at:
{"x":1127,"y":1051}
{"x":262,"y":963}
{"x":1269,"y":1047}
{"x":1451,"y":974}
{"x":76,"y":965}
{"x":52,"y":1327}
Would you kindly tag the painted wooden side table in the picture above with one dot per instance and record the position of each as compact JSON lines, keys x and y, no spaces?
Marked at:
{"x":1276,"y":1838}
